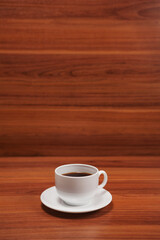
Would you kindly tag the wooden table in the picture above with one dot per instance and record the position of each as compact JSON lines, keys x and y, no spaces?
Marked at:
{"x":134,"y":213}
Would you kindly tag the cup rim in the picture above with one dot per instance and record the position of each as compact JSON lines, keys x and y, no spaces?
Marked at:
{"x":81,"y":164}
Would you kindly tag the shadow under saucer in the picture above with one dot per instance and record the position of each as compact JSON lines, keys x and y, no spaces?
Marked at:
{"x":93,"y":214}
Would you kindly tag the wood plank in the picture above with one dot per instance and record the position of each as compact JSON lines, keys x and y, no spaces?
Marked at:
{"x":121,"y":10}
{"x":80,"y":80}
{"x":51,"y":162}
{"x":79,"y":34}
{"x":67,"y":132}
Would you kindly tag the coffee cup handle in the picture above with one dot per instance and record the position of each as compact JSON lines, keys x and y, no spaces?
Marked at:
{"x":104,"y":180}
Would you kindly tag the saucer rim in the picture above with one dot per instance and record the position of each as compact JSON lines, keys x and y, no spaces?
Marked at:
{"x":69,"y":210}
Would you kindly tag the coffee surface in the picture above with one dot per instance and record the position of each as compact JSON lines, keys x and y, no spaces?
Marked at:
{"x":77,"y":174}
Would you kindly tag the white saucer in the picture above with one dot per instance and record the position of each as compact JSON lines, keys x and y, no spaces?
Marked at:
{"x":50,"y":199}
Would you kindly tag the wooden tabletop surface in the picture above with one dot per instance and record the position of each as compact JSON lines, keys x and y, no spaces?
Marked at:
{"x":134,"y":213}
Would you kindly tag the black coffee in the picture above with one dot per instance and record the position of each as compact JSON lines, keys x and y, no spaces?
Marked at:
{"x":77,"y":174}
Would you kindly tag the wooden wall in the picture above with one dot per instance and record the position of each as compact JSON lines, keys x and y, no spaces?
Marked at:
{"x":79,"y":78}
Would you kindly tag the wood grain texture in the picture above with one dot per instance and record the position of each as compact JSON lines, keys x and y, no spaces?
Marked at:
{"x":79,"y":34}
{"x":120,"y":10}
{"x":133,"y":214}
{"x":94,"y":26}
{"x":29,"y":131}
{"x":79,"y":79}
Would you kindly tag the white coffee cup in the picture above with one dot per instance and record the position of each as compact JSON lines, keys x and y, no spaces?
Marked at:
{"x":78,"y":190}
